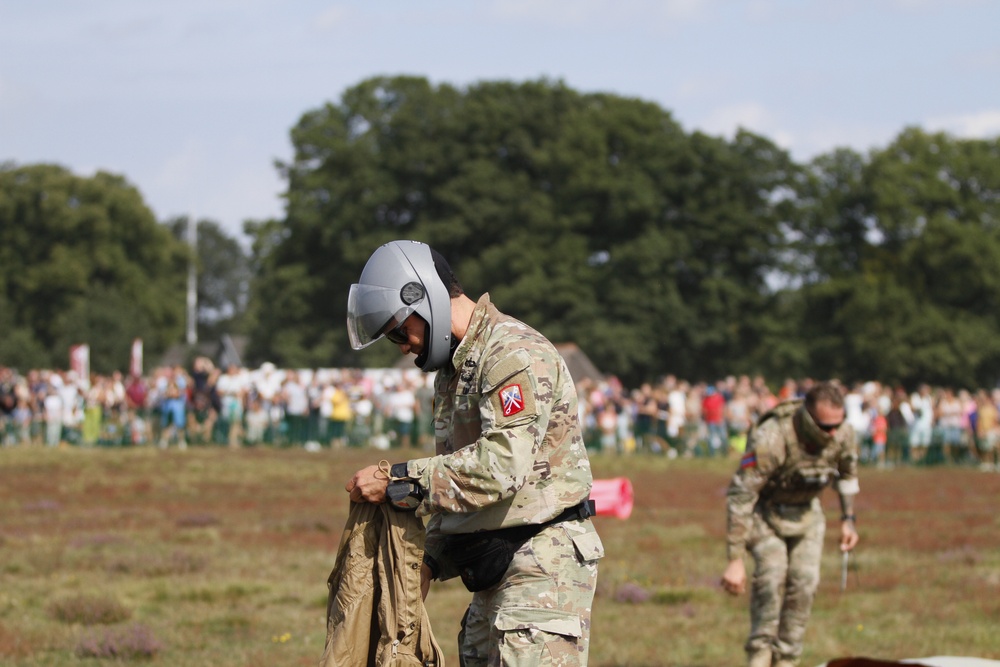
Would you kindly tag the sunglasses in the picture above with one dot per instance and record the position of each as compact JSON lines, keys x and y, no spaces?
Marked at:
{"x":397,"y":335}
{"x":829,"y":428}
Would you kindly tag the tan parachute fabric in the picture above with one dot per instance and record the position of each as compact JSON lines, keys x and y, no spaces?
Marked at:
{"x":375,"y":614}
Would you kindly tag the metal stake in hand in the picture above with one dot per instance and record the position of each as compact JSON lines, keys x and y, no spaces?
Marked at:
{"x":843,"y":570}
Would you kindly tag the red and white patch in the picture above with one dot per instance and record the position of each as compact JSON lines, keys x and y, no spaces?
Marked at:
{"x":511,"y":400}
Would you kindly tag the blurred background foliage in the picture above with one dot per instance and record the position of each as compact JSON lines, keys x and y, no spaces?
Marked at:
{"x":595,"y":218}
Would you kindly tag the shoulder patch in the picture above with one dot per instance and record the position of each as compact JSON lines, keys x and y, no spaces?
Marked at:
{"x":749,"y":460}
{"x":768,"y":442}
{"x":513,"y":400}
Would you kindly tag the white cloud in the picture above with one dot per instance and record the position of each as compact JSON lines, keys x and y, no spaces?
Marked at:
{"x":332,"y":17}
{"x":762,"y":9}
{"x":724,"y":120}
{"x":548,"y":11}
{"x":933,"y":5}
{"x":597,"y":12}
{"x":222,"y":182}
{"x":183,"y":168}
{"x":683,"y":9}
{"x":251,"y":192}
{"x":751,"y":116}
{"x":980,"y":125}
{"x":805,"y":138}
{"x":825,"y":135}
{"x":13,"y":93}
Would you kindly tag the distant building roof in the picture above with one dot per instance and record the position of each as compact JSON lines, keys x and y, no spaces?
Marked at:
{"x":580,"y":365}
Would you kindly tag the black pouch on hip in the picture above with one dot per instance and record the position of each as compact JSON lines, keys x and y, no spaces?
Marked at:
{"x":483,"y":558}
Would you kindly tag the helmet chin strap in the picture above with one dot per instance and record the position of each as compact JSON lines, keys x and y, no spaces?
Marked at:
{"x":422,"y":357}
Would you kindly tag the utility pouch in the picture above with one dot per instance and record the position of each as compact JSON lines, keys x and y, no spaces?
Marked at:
{"x":483,"y":558}
{"x":790,"y":520}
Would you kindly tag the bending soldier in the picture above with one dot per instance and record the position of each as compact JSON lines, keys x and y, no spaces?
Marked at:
{"x":793,"y":453}
{"x":508,"y":488}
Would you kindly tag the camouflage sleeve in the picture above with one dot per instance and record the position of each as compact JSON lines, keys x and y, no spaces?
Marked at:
{"x":515,"y":410}
{"x":764,"y":454}
{"x":847,"y":484}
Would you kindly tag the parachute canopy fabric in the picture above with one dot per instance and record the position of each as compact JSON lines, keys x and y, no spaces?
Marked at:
{"x":935,"y":661}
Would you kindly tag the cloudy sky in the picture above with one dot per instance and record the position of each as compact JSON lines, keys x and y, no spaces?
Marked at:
{"x":192,"y":100}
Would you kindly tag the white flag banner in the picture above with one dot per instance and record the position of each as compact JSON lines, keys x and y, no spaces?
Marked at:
{"x":79,"y":363}
{"x":135,"y":362}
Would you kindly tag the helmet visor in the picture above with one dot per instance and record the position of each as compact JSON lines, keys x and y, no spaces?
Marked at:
{"x":371,"y":312}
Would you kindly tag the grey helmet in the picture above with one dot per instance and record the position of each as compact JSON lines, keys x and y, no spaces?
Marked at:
{"x":400,"y":279}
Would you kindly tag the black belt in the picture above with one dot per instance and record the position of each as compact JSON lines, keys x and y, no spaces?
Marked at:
{"x":783,"y":506}
{"x":483,"y":557}
{"x":582,"y":510}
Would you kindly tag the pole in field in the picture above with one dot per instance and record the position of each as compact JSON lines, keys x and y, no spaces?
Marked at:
{"x":192,"y":283}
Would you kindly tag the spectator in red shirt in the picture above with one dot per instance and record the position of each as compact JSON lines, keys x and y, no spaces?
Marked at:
{"x":713,"y":413}
{"x":136,"y":393}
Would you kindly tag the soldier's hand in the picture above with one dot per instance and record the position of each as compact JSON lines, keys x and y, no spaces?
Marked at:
{"x":848,"y":536}
{"x":734,"y":579}
{"x":368,"y":485}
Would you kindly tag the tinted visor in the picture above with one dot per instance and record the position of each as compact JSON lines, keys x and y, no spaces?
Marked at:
{"x":371,"y":312}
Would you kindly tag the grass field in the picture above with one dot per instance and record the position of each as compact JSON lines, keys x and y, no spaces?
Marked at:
{"x":210,"y":557}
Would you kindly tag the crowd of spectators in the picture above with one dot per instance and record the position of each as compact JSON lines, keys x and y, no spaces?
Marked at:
{"x":236,"y":406}
{"x":385,"y":408}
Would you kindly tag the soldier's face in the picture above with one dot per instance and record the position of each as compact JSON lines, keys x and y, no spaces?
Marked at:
{"x":828,"y":417}
{"x":409,"y":335}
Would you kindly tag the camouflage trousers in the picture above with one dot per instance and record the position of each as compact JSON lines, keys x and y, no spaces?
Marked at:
{"x":785,"y":579}
{"x":539,"y":613}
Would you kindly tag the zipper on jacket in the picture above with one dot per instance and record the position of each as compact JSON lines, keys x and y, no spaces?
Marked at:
{"x":395,"y":648}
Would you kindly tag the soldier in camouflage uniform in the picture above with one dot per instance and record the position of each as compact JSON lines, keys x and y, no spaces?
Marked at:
{"x":510,"y":463}
{"x":793,"y":453}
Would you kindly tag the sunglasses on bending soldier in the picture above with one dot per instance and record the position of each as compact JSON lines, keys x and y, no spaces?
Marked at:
{"x":397,"y":335}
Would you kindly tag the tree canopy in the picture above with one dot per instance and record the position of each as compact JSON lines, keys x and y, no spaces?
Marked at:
{"x":593,"y":217}
{"x":905,"y":245}
{"x":83,"y":260}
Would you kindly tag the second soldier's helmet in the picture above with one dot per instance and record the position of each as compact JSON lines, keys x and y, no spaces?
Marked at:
{"x":400,"y":279}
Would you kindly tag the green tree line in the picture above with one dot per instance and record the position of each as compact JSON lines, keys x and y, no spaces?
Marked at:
{"x":83,"y":260}
{"x":599,"y":220}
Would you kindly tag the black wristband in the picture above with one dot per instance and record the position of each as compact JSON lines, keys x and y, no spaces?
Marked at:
{"x":398,"y":471}
{"x":404,"y":495}
{"x":849,"y":517}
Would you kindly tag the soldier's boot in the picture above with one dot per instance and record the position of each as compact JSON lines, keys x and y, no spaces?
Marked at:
{"x":759,"y":658}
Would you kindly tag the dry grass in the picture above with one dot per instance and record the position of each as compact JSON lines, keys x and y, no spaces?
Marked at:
{"x":135,"y":642}
{"x":221,"y":558}
{"x":90,"y":610}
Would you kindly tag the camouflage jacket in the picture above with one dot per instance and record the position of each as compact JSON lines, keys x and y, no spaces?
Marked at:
{"x":510,"y":450}
{"x":783,"y":466}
